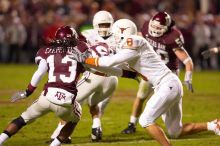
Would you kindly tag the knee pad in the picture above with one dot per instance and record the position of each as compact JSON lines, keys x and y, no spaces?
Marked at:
{"x":145,"y":121}
{"x":19,"y":122}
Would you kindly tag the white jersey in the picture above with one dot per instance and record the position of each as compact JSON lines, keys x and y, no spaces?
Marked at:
{"x":93,"y":38}
{"x":98,"y":88}
{"x":140,"y":56}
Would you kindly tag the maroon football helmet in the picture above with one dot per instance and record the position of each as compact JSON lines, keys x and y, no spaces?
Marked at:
{"x":159,"y":24}
{"x":66,"y":35}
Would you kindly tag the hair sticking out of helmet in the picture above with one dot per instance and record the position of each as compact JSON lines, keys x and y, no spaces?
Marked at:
{"x":159,"y":24}
{"x":102,"y":22}
{"x":65,"y":36}
{"x":124,"y":27}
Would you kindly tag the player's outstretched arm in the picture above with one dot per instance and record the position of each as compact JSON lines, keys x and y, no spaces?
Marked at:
{"x":42,"y":69}
{"x":187,"y":61}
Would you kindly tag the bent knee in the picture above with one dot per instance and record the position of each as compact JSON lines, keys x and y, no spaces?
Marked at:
{"x":146,"y":121}
{"x":174,"y":133}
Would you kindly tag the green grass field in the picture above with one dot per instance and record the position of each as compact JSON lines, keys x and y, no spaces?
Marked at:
{"x":203,"y":105}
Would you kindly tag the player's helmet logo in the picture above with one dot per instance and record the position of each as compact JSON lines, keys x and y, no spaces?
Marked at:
{"x":65,"y":32}
{"x":123,"y":29}
{"x":159,"y":24}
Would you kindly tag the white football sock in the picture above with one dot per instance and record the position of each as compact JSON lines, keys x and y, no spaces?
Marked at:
{"x":57,"y":131}
{"x":211,"y":126}
{"x":55,"y":142}
{"x":96,"y":123}
{"x":3,"y":138}
{"x":133,"y":120}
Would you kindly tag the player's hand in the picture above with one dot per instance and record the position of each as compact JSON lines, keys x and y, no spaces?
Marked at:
{"x":18,"y":96}
{"x":188,"y":81}
{"x":189,"y":86}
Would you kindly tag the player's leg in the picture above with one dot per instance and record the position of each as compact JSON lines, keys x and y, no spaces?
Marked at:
{"x":144,"y":90}
{"x":72,"y":116}
{"x":191,"y":128}
{"x":84,"y":91}
{"x":37,"y":109}
{"x":97,"y":102}
{"x":56,"y":132}
{"x":175,"y":128}
{"x":166,"y":94}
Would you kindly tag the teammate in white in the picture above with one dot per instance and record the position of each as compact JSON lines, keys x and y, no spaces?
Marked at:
{"x":96,"y":90}
{"x":168,"y":42}
{"x":167,"y":97}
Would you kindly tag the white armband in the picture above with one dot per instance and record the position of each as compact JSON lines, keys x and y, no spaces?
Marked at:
{"x":185,"y":61}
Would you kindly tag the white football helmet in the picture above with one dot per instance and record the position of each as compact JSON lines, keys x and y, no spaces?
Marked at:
{"x":123,"y":28}
{"x":159,"y":24}
{"x":103,"y":17}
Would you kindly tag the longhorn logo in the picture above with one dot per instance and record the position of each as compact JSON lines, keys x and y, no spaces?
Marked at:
{"x":123,"y":29}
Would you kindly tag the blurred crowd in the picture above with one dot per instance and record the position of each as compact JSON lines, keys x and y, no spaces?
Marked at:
{"x":25,"y":25}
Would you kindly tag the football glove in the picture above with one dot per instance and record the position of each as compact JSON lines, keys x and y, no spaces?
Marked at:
{"x":18,"y":96}
{"x":188,"y":81}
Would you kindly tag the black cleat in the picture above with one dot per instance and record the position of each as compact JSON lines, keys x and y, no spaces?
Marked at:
{"x":96,"y":134}
{"x":67,"y":141}
{"x":130,"y":129}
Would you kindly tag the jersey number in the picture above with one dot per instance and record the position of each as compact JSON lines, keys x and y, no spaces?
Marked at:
{"x":72,"y":65}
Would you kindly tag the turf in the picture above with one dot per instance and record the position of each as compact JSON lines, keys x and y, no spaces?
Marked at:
{"x":202,"y":105}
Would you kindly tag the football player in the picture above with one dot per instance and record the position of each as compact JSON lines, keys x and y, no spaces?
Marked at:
{"x":98,"y":88}
{"x":168,"y":42}
{"x":210,"y":52}
{"x":166,"y":100}
{"x":62,"y":59}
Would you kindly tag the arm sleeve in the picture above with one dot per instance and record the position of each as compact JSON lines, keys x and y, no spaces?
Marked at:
{"x":108,"y":71}
{"x":42,"y":69}
{"x":122,"y":56}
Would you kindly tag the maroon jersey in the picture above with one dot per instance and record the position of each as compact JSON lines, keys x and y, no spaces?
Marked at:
{"x":64,"y":67}
{"x":165,"y":45}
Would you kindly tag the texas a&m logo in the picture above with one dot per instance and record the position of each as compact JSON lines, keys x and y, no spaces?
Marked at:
{"x":60,"y":95}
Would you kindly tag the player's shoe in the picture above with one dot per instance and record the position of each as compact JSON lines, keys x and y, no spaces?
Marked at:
{"x":130,"y":129}
{"x":67,"y":141}
{"x":217,"y":126}
{"x":96,"y":134}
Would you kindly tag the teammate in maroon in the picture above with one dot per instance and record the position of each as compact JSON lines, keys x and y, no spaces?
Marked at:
{"x":62,"y":59}
{"x":168,"y":42}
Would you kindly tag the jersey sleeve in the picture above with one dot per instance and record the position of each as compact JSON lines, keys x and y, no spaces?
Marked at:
{"x":132,"y":42}
{"x":42,"y":69}
{"x":178,"y":40}
{"x":40,"y":55}
{"x":122,"y":56}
